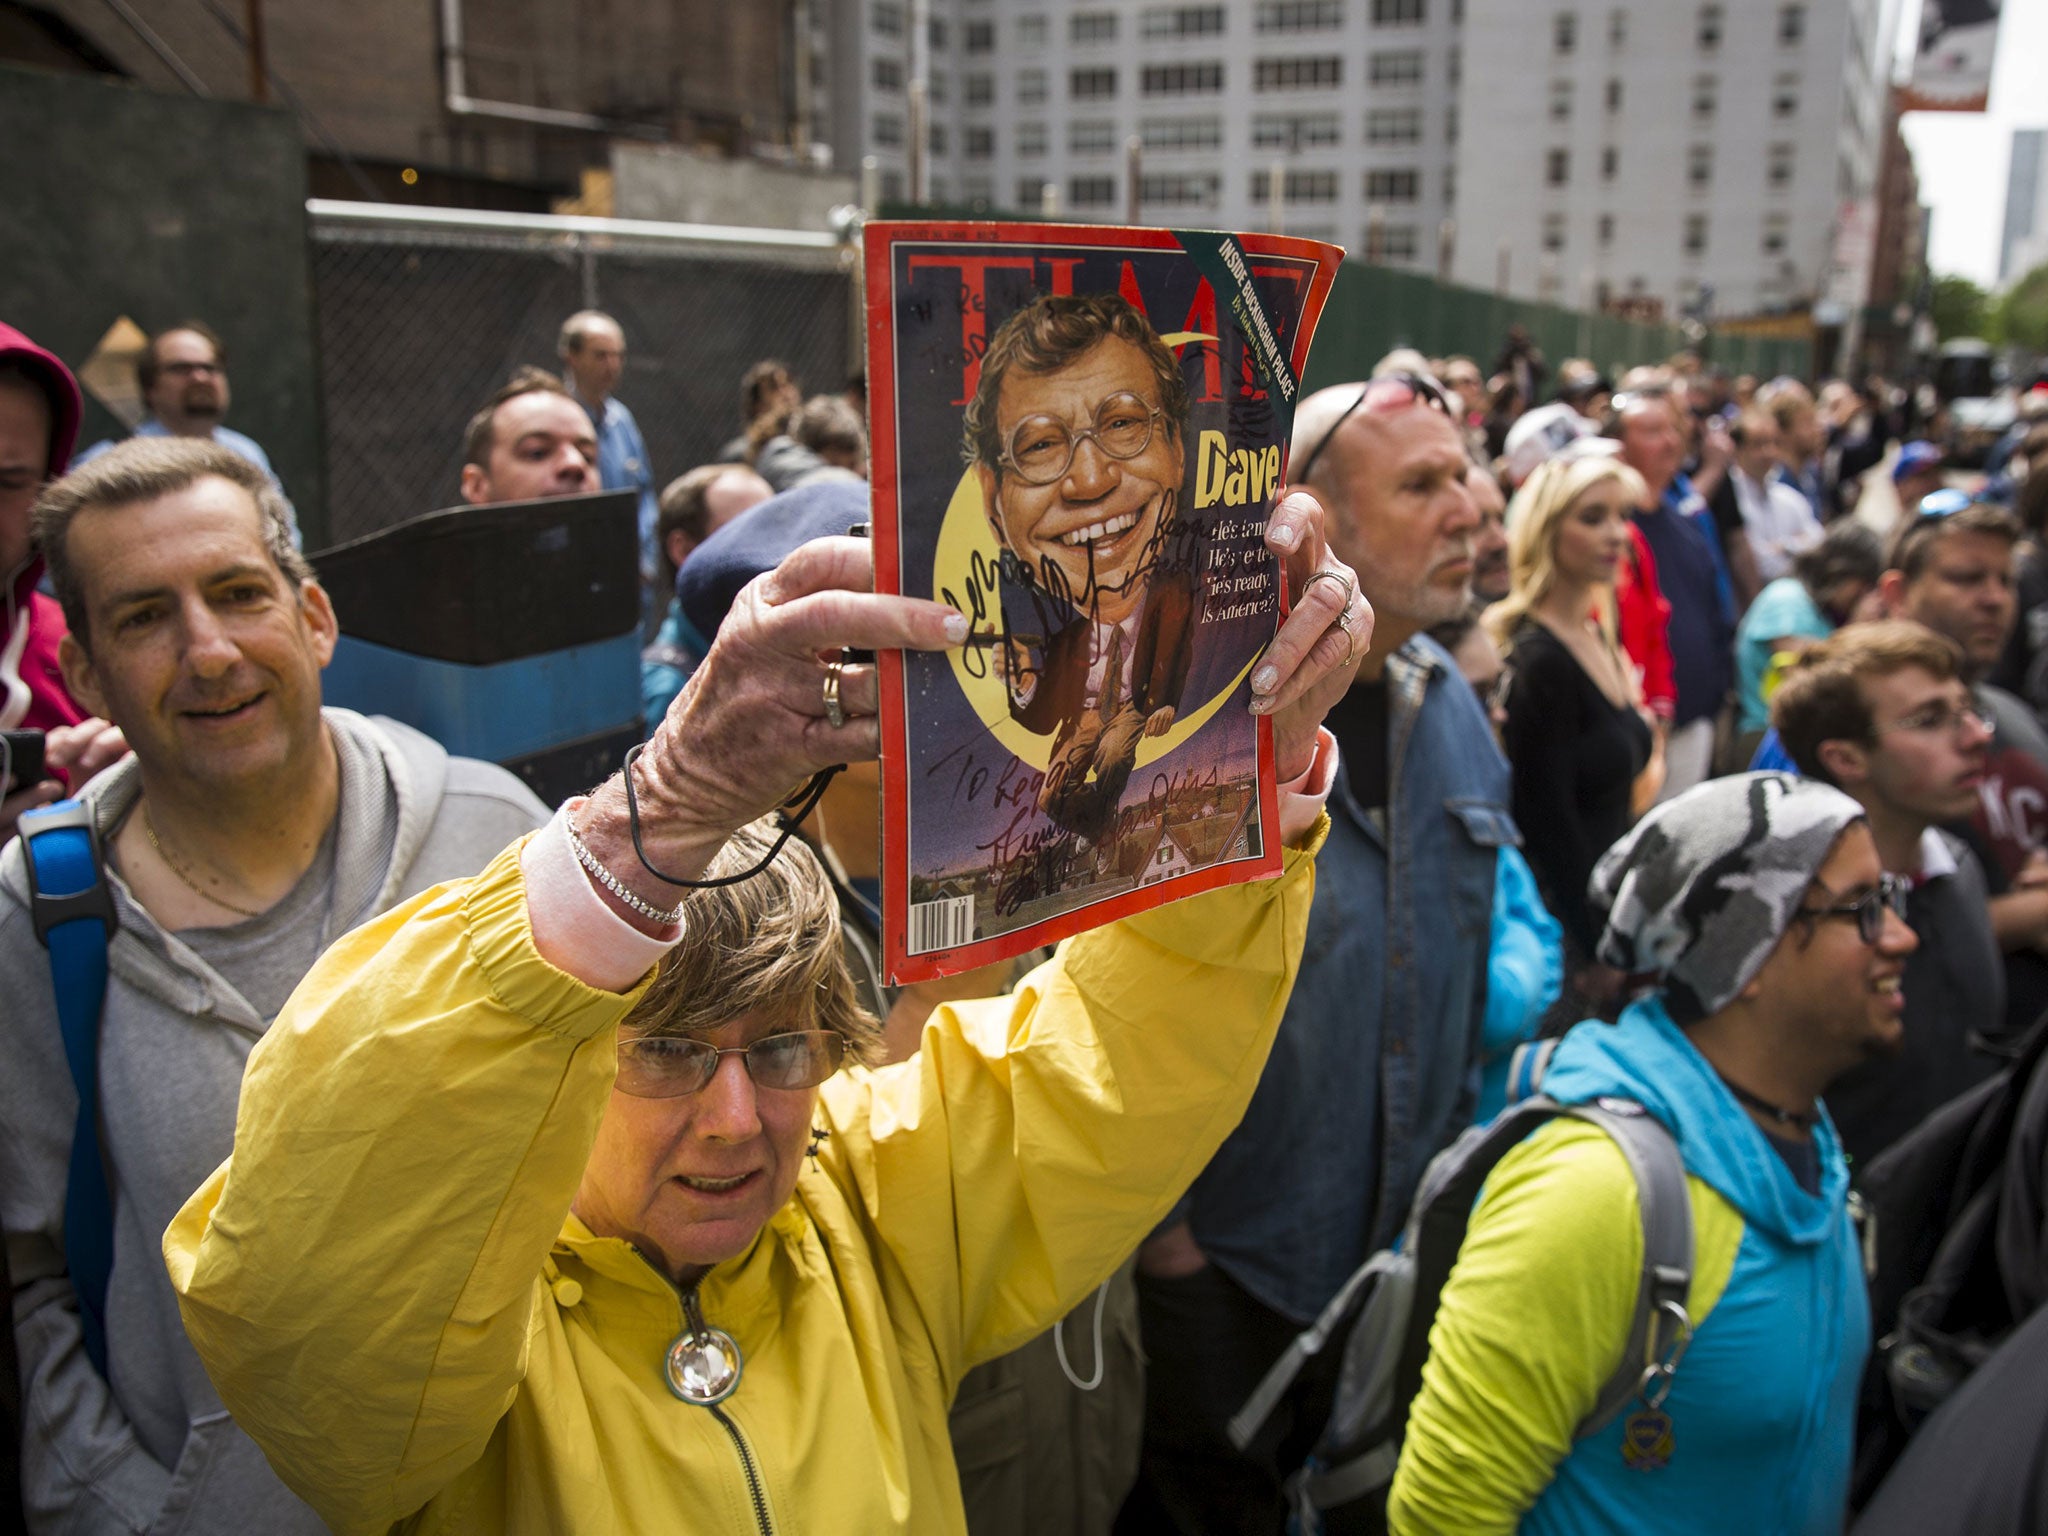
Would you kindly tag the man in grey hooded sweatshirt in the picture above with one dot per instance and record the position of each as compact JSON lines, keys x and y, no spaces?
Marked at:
{"x":250,"y":829}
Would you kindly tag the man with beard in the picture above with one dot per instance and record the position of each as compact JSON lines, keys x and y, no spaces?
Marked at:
{"x":1077,"y":433}
{"x":183,"y":375}
{"x":1490,"y":577}
{"x":1377,"y":1062}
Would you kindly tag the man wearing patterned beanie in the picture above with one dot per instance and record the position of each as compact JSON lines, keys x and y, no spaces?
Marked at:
{"x":1757,"y":911}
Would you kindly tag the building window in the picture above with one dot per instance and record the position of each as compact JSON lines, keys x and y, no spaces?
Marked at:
{"x":1451,"y":123}
{"x":1709,"y":32}
{"x":1557,"y":167}
{"x":887,"y":132}
{"x":1392,"y":186}
{"x":981,"y":90}
{"x":1454,"y":65}
{"x":1564,"y":31}
{"x":1092,"y":27}
{"x":1030,"y":141}
{"x":1030,"y":87}
{"x":1182,"y":133}
{"x":1695,"y":234}
{"x":1182,"y":79}
{"x":1396,"y":13}
{"x":1699,"y":166}
{"x":1614,"y":95}
{"x":1299,"y":15}
{"x":1184,"y":21}
{"x":1398,"y":242}
{"x":1091,"y":191}
{"x":978,"y":190}
{"x":1553,"y":231}
{"x":1791,"y":25}
{"x":1785,"y":96}
{"x":981,"y":37}
{"x":1776,"y":227}
{"x":1706,"y":97}
{"x":1450,"y":183}
{"x":892,"y":186}
{"x":1295,"y":74}
{"x":1560,"y":100}
{"x":1296,"y":131}
{"x":1090,"y":138}
{"x":1610,"y":163}
{"x":1393,"y":125}
{"x":935,"y":29}
{"x":1198,"y":189}
{"x":888,"y":75}
{"x":981,"y":143}
{"x":1617,"y":28}
{"x":1091,"y":84}
{"x":1402,"y":68}
{"x":1031,"y":193}
{"x":1031,"y":31}
{"x":1297,"y":186}
{"x":935,"y":89}
{"x":885,"y":17}
{"x":1778,"y":165}
{"x":935,"y":136}
{"x":1605,"y":229}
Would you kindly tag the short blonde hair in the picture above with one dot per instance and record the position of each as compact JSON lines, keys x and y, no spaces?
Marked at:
{"x":1533,"y":517}
{"x":768,"y":945}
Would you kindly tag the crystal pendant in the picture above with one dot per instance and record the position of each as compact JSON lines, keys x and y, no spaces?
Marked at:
{"x":703,"y":1366}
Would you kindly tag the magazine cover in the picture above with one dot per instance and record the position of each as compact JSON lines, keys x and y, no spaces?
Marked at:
{"x":1078,"y":433}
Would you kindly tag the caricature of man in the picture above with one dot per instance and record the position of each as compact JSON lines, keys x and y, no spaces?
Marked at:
{"x":1077,"y":434}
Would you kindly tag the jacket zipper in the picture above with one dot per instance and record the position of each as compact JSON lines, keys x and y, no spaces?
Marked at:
{"x":739,"y":1443}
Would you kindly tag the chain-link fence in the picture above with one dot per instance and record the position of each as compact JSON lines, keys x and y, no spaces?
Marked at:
{"x":423,"y":313}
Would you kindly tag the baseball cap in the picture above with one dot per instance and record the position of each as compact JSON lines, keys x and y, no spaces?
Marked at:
{"x":1547,"y":430}
{"x":1915,"y":457}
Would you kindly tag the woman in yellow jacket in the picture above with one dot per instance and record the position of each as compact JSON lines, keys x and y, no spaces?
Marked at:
{"x":513,"y":1239}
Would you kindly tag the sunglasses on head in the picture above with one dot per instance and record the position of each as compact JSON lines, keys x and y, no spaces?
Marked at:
{"x":1393,"y":392}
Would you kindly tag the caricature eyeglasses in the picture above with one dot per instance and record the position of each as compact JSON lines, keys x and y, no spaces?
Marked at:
{"x":1390,"y":393}
{"x":1041,"y":449}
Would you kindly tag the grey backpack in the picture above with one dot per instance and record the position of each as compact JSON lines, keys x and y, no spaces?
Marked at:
{"x":1394,"y":1297}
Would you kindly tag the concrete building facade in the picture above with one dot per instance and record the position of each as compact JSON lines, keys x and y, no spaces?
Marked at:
{"x":1670,"y":158}
{"x":1347,"y":107}
{"x":2023,"y":242}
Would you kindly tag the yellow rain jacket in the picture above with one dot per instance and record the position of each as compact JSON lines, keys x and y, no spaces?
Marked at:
{"x":386,"y":1285}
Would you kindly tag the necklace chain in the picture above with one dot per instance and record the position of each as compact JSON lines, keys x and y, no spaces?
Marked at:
{"x":1803,"y":1122}
{"x":170,"y":863}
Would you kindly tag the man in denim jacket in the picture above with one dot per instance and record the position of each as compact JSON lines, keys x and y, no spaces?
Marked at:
{"x":1377,"y":1062}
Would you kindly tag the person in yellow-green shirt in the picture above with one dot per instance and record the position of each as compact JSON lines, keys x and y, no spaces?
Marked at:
{"x":514,"y":1239}
{"x":1758,"y":906}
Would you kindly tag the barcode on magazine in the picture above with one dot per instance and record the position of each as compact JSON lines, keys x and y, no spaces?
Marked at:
{"x":943,"y":924}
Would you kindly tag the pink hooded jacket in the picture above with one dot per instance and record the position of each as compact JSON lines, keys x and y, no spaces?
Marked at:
{"x":32,"y":693}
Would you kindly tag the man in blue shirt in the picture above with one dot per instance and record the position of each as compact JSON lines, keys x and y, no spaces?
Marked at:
{"x":183,"y":375}
{"x":1692,"y":575}
{"x":593,"y":353}
{"x":1376,"y":1066}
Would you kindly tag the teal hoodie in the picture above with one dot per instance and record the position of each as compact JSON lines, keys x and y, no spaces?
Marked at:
{"x":1763,"y":1408}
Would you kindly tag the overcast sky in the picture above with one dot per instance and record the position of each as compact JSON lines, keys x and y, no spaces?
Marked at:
{"x":1962,"y":157}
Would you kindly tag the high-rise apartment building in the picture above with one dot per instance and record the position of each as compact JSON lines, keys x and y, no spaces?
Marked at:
{"x":1678,"y":155}
{"x":2023,"y":243}
{"x":1345,"y":108}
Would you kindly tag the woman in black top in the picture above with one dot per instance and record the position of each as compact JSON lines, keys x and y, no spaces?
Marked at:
{"x":1575,"y":733}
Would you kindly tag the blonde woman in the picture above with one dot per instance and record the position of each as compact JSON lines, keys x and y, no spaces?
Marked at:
{"x":1574,"y":728}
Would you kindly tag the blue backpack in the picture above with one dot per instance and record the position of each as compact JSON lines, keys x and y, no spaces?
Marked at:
{"x":73,"y":912}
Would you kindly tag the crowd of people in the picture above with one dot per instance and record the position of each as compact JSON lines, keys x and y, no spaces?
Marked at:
{"x":400,"y":1174}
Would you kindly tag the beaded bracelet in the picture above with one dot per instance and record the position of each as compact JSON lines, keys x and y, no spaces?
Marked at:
{"x":612,"y":883}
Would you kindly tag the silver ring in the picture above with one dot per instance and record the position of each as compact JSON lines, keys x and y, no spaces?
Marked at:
{"x":833,"y":711}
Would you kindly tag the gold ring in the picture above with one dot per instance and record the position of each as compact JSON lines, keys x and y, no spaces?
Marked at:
{"x":833,"y":711}
{"x":1340,"y":578}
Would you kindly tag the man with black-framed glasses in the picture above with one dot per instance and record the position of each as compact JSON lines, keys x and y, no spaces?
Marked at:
{"x":1078,"y":434}
{"x":1882,"y":712}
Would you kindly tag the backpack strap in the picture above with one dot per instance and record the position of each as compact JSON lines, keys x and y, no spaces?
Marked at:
{"x":1661,"y":1328}
{"x":73,"y":912}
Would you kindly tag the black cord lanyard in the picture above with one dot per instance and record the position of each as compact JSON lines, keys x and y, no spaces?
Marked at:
{"x":1798,"y":1122}
{"x":807,"y":799}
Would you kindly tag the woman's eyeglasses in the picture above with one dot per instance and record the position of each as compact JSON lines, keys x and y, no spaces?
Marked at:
{"x":1390,"y":393}
{"x":672,"y":1066}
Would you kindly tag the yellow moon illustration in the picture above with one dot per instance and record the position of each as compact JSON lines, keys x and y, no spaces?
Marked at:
{"x":965,"y":535}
